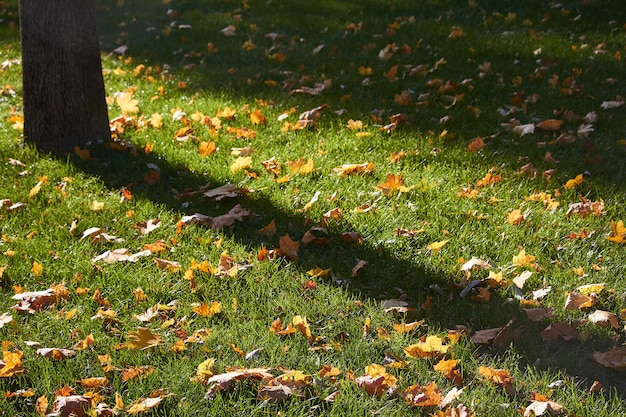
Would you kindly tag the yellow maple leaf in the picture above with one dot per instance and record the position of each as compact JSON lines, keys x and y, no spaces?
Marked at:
{"x":436,"y":246}
{"x":618,"y":232}
{"x":241,"y":163}
{"x":430,"y":348}
{"x":142,"y":339}
{"x":204,"y":372}
{"x":127,"y":104}
{"x":301,"y":166}
{"x":301,"y":323}
{"x":11,"y":362}
{"x":522,"y":259}
{"x":574,"y":182}
{"x":207,"y":148}
{"x":37,"y":269}
{"x":515,"y":217}
{"x":156,"y":121}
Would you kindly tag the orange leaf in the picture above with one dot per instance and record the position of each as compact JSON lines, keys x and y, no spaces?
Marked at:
{"x":288,"y":248}
{"x":207,"y":148}
{"x":257,"y":118}
{"x":499,"y":377}
{"x":206,"y":310}
{"x":133,"y":372}
{"x":476,"y":144}
{"x":418,"y":396}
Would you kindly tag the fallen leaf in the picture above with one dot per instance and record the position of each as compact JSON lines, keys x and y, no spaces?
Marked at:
{"x":604,"y":319}
{"x":574,"y":182}
{"x":579,"y":301}
{"x":615,"y":358}
{"x":499,"y":377}
{"x":56,"y":354}
{"x":426,"y":396}
{"x":71,"y":406}
{"x":225,"y":381}
{"x":436,"y":246}
{"x":539,"y":408}
{"x":142,"y":339}
{"x":559,"y":330}
{"x":431,"y":347}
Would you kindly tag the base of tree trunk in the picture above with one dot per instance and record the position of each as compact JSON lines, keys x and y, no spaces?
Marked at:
{"x":64,"y":97}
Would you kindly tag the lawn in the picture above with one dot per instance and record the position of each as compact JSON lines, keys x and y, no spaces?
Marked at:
{"x":325,"y":208}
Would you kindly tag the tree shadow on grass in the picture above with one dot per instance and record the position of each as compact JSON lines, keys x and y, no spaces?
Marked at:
{"x":159,"y":35}
{"x":386,"y":276}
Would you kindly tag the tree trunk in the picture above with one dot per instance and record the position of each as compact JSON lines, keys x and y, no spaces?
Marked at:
{"x":64,"y":98}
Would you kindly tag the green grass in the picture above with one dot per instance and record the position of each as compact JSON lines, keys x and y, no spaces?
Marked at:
{"x":508,"y":56}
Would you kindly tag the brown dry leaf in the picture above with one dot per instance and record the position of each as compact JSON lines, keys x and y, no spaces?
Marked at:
{"x":34,"y":301}
{"x":359,"y":266}
{"x":604,"y":319}
{"x":56,"y":354}
{"x":146,"y":227}
{"x":522,"y":259}
{"x":288,"y":248}
{"x":301,"y":166}
{"x":376,"y":381}
{"x":301,"y":323}
{"x":579,"y":301}
{"x":431,"y":347}
{"x":225,"y":381}
{"x":142,"y":339}
{"x":515,"y":217}
{"x":268,"y":230}
{"x":426,"y":396}
{"x":615,"y":358}
{"x":618,"y":232}
{"x":144,"y":404}
{"x":539,"y":408}
{"x":476,"y":144}
{"x":85,"y":343}
{"x":127,"y":104}
{"x":401,"y":328}
{"x":71,"y":406}
{"x":586,"y":208}
{"x":550,"y":125}
{"x":94,"y":382}
{"x":538,"y":314}
{"x":167,"y":265}
{"x":393,"y":183}
{"x":559,"y":330}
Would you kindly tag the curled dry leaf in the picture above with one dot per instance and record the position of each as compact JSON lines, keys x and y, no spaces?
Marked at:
{"x":579,"y":301}
{"x":426,"y":396}
{"x":225,"y":381}
{"x":539,"y":408}
{"x":615,"y":358}
{"x":56,"y":354}
{"x":70,"y":406}
{"x":559,"y":330}
{"x":604,"y":319}
{"x":586,"y":208}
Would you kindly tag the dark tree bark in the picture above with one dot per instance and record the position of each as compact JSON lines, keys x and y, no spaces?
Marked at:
{"x":64,"y":98}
